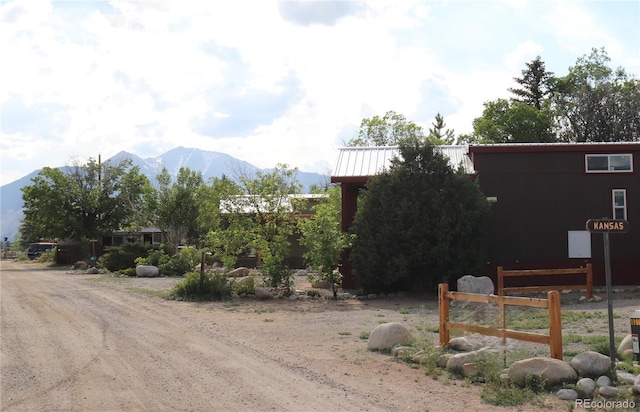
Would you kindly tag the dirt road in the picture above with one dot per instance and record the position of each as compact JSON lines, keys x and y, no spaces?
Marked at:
{"x":72,"y":342}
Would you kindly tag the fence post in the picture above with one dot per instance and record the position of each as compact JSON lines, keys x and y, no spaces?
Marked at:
{"x":555,"y":324}
{"x":500,"y":281}
{"x":589,"y":281}
{"x":443,"y":309}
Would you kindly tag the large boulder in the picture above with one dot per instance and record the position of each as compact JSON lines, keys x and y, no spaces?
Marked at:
{"x":591,"y":364}
{"x":147,"y":271}
{"x":476,"y":284}
{"x":387,"y":335}
{"x":548,"y":370}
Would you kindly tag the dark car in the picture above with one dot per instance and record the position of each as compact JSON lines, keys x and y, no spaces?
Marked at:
{"x":35,"y":250}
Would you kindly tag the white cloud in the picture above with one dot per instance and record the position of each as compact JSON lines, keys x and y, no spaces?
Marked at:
{"x":136,"y":75}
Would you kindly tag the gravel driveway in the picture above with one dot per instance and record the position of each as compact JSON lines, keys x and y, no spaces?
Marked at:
{"x":73,"y":342}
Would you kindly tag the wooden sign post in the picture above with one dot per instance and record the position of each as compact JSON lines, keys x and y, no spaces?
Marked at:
{"x":606,"y":226}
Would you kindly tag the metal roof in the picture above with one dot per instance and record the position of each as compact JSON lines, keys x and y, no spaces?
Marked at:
{"x":373,"y":160}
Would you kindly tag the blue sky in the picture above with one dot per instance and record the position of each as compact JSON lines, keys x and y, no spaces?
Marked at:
{"x":270,"y":82}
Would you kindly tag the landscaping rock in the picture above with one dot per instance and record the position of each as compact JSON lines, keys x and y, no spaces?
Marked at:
{"x":147,"y":271}
{"x":627,"y":343}
{"x":567,"y":395}
{"x":92,"y":271}
{"x":263,"y":294}
{"x":475,"y":284}
{"x":238,"y":272}
{"x":387,"y":335}
{"x":80,"y":265}
{"x":608,"y":391}
{"x":549,"y":370}
{"x":636,"y":385}
{"x":586,"y":386}
{"x":625,"y":377}
{"x":455,"y":363}
{"x":591,"y":364}
{"x":472,"y":342}
{"x":603,"y":381}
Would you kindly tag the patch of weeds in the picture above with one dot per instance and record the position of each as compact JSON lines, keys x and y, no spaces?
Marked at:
{"x":383,"y":321}
{"x":365,"y":335}
{"x":405,"y":311}
{"x":359,"y":361}
{"x":381,"y":315}
{"x":313,"y":293}
{"x":505,"y":393}
{"x":344,"y":333}
{"x":109,"y":278}
{"x":269,"y":320}
{"x":164,"y":294}
{"x":265,"y":310}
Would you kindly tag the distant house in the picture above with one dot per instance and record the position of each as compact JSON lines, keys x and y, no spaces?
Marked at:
{"x":541,"y":194}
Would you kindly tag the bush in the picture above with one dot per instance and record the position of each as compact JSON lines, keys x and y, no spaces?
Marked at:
{"x":246,"y":285}
{"x":209,"y":286}
{"x":176,"y":265}
{"x":123,"y":256}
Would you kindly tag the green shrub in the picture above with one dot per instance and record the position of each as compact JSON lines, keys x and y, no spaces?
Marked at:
{"x":209,"y":286}
{"x":123,"y":256}
{"x":246,"y":285}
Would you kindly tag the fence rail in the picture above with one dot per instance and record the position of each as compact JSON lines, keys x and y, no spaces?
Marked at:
{"x":553,"y":339}
{"x":587,"y":271}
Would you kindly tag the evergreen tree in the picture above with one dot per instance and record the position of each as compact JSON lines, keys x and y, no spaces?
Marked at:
{"x":438,"y":134}
{"x":536,"y":82}
{"x":418,"y":224}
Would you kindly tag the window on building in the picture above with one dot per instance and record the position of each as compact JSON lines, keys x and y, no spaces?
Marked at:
{"x":608,"y":163}
{"x":619,"y":203}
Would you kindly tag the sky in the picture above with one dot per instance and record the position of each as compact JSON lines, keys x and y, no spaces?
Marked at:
{"x":270,"y":82}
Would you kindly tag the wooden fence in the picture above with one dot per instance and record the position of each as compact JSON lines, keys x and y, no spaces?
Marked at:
{"x":553,"y":339}
{"x":546,"y":272}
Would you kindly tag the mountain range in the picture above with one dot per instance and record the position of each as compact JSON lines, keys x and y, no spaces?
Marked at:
{"x":210,"y":164}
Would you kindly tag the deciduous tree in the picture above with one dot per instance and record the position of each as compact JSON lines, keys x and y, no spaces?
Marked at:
{"x":81,"y":201}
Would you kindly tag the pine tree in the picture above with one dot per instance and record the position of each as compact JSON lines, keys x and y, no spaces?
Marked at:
{"x":536,"y":84}
{"x":438,"y":134}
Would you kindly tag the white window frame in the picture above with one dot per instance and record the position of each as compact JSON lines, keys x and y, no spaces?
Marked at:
{"x":608,"y":157}
{"x":622,"y":207}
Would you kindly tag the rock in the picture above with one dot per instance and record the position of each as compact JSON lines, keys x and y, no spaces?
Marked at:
{"x":471,"y":370}
{"x":80,"y":265}
{"x":238,"y":272}
{"x":567,"y":395}
{"x":147,"y":271}
{"x":399,"y":351}
{"x":636,"y":385}
{"x":629,"y":355}
{"x":590,"y":364}
{"x":443,"y":359}
{"x":586,"y":386}
{"x":626,"y":377}
{"x":466,"y":343}
{"x":372,"y":296}
{"x":92,"y":271}
{"x":549,"y":370}
{"x":627,"y":343}
{"x":472,"y":284}
{"x":595,"y":299}
{"x":603,"y":381}
{"x":293,"y":297}
{"x":387,"y":335}
{"x":301,"y":272}
{"x":455,"y":363}
{"x":263,"y":294}
{"x":608,"y":391}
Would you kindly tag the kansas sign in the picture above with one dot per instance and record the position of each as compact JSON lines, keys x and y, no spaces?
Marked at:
{"x":607,"y":226}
